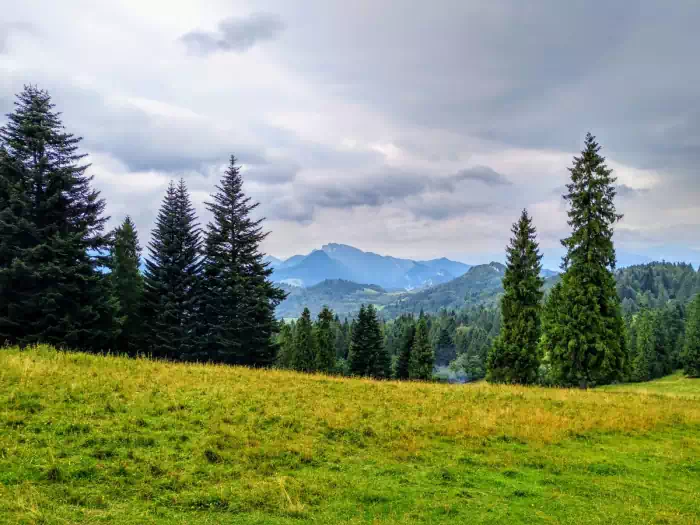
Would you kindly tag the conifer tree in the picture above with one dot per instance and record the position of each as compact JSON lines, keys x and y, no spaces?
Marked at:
{"x":342,"y":339}
{"x":127,"y":286}
{"x":644,"y":355}
{"x":285,"y":343}
{"x":691,"y":352}
{"x":367,"y":356}
{"x":422,"y":358}
{"x":304,"y":353}
{"x":51,"y":234}
{"x":172,"y":277}
{"x":584,"y":338}
{"x":406,"y":346}
{"x":325,"y":341}
{"x":240,"y":298}
{"x":514,"y":355}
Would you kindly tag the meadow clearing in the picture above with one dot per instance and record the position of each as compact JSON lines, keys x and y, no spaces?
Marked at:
{"x":94,"y":439}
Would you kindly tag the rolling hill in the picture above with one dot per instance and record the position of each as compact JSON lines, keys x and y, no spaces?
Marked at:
{"x":104,"y":439}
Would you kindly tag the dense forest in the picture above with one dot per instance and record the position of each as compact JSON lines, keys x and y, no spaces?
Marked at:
{"x":206,"y":292}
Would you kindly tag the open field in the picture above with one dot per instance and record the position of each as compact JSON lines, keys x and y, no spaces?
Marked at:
{"x":93,"y":439}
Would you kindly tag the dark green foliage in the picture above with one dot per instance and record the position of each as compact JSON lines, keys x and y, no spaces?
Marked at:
{"x":342,"y":339}
{"x":422,"y":358}
{"x":514,"y":355}
{"x":653,"y":285}
{"x":127,"y":286}
{"x":583,"y":330}
{"x":445,"y":350}
{"x":172,"y":279}
{"x":644,"y":358}
{"x":368,"y":357}
{"x":238,"y":314}
{"x":51,"y":224}
{"x":405,"y":348}
{"x":285,"y":343}
{"x":691,"y":352}
{"x":304,"y":353}
{"x":325,"y":341}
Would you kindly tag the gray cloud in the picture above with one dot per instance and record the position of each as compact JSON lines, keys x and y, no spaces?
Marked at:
{"x":483,"y":174}
{"x":627,"y":192}
{"x":235,"y":34}
{"x":424,"y":195}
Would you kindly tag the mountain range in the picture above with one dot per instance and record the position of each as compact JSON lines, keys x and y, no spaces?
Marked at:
{"x":343,"y":262}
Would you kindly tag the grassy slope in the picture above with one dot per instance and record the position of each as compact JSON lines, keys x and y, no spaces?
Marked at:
{"x":92,"y":439}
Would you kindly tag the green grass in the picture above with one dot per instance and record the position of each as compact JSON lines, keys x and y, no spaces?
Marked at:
{"x":673,"y":385}
{"x":112,"y":440}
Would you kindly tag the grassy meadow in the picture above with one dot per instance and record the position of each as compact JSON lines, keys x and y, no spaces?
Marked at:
{"x":95,"y":439}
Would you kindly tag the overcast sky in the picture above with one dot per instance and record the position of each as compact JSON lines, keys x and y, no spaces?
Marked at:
{"x":416,"y":129}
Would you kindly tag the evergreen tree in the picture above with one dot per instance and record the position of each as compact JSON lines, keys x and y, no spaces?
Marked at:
{"x":514,"y":355}
{"x":644,"y":355}
{"x":285,"y":343}
{"x":422,"y":359}
{"x":584,"y":337}
{"x":51,"y":234}
{"x":239,"y":313}
{"x":304,"y":354}
{"x":342,"y":339}
{"x":691,"y":352}
{"x":171,"y":294}
{"x":325,"y":341}
{"x":404,"y":359}
{"x":368,"y":357}
{"x":127,"y":286}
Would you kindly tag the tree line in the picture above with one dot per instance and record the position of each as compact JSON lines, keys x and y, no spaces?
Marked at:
{"x":205,"y":293}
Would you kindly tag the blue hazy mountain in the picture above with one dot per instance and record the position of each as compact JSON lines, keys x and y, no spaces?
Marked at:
{"x":311,"y":269}
{"x":359,"y":266}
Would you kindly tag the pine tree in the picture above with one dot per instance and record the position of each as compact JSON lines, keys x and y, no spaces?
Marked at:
{"x":127,"y":286}
{"x":644,"y":356}
{"x":325,"y":341}
{"x":304,"y":353}
{"x":171,"y":294}
{"x":514,"y":356}
{"x":380,"y":365}
{"x":342,"y":339}
{"x":691,"y":352}
{"x":240,"y":298}
{"x":367,"y":356}
{"x":404,"y":358}
{"x":585,"y":343}
{"x":51,"y":234}
{"x":285,"y":343}
{"x":422,"y":358}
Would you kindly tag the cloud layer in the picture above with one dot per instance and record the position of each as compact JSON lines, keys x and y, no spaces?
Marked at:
{"x":403,"y":127}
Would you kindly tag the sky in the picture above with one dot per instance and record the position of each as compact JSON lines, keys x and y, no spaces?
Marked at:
{"x":414,"y":129}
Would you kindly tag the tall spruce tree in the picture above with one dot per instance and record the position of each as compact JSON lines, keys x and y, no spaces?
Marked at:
{"x":584,"y":337}
{"x":239,"y":312}
{"x":127,"y":286}
{"x":285,"y":343}
{"x":172,"y":291}
{"x":367,"y":356}
{"x":643,"y":356}
{"x":691,"y":351}
{"x":325,"y":341}
{"x":514,"y":355}
{"x":405,"y":348}
{"x":51,"y":234}
{"x":304,"y":353}
{"x":422,"y":358}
